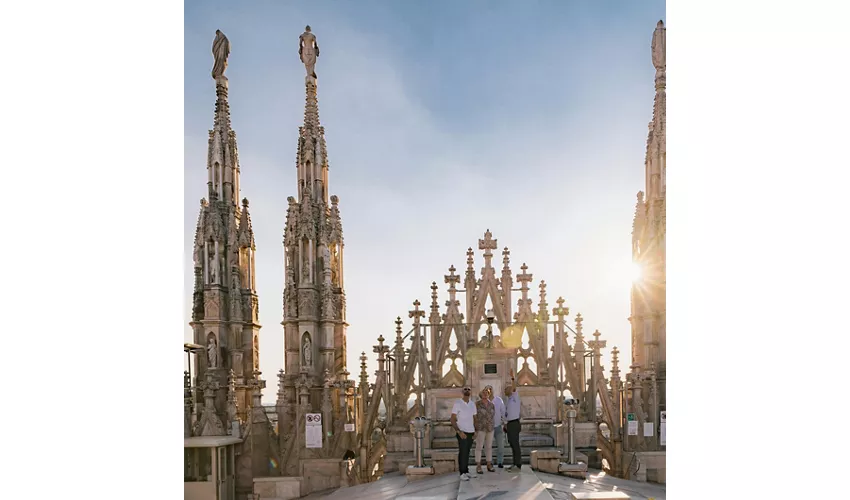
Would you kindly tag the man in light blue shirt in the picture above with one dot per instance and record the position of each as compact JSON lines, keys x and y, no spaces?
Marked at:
{"x":513,"y":427}
{"x":499,"y":422}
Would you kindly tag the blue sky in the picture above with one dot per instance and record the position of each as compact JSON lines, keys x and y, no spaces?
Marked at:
{"x":442,"y":119}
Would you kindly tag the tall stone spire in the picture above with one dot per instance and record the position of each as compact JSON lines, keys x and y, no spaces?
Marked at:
{"x":314,"y":297}
{"x":225,"y":306}
{"x":648,"y":296}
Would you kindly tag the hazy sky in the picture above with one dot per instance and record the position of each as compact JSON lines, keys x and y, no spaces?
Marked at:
{"x":442,"y":119}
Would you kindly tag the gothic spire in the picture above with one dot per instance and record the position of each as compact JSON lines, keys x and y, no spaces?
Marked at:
{"x":222,"y":153}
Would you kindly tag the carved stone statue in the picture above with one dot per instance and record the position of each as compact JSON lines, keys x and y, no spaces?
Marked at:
{"x":326,"y":257}
{"x":213,"y":268}
{"x":220,"y":50}
{"x":335,"y":267}
{"x":308,"y":49}
{"x":307,"y":348}
{"x":212,"y":353}
{"x":659,"y":46}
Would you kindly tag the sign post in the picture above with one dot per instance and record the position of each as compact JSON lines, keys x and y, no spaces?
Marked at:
{"x":632,"y":423}
{"x":313,"y":432}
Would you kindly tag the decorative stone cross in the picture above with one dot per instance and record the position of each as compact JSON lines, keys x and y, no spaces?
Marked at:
{"x":488,"y":244}
{"x":597,"y":344}
{"x":524,"y":278}
{"x":452,"y":279}
{"x":561,"y":311}
{"x":416,"y":313}
{"x":506,"y":258}
{"x":381,"y":350}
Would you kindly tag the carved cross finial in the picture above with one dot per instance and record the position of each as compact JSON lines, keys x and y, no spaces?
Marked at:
{"x":398,"y":326}
{"x":452,"y":278}
{"x":469,"y":259}
{"x":416,"y":313}
{"x":578,"y":325}
{"x":506,"y":258}
{"x":524,"y":277}
{"x":488,"y":244}
{"x":561,"y":311}
{"x":597,"y":344}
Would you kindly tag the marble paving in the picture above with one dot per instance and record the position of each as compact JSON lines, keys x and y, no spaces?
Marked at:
{"x":561,"y":486}
{"x":504,"y":485}
{"x":499,"y":485}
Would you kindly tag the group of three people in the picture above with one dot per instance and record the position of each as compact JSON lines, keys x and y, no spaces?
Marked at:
{"x":483,"y":420}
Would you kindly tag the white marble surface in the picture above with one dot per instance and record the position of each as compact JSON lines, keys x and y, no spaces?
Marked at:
{"x":505,"y":485}
{"x":499,"y":484}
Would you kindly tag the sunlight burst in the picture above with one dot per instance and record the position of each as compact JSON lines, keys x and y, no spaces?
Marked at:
{"x":636,"y":272}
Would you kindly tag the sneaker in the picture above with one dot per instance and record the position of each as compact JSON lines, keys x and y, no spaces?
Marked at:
{"x":464,"y":477}
{"x":472,"y":474}
{"x":513,"y":469}
{"x":501,"y":466}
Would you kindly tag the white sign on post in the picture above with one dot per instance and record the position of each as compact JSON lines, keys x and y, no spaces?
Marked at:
{"x":349,"y":427}
{"x":648,"y":429}
{"x":313,"y":432}
{"x":633,"y":428}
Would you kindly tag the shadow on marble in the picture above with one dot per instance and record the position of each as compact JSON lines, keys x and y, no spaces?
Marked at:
{"x":561,"y":486}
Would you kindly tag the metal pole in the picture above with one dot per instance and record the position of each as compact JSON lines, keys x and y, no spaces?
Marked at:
{"x":571,"y":436}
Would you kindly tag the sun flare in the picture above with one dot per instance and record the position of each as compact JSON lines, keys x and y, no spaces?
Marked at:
{"x":636,"y":272}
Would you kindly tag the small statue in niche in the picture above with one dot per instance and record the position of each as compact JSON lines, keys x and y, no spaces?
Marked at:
{"x":307,"y":349}
{"x":335,"y":266}
{"x":212,"y":353}
{"x":212,"y":264}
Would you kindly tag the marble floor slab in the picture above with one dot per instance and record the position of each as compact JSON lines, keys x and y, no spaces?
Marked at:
{"x":498,"y":485}
{"x":503,"y":485}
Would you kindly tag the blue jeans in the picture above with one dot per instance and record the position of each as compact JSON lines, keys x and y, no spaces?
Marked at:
{"x":499,"y":436}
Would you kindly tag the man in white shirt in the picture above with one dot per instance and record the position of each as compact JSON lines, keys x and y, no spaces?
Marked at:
{"x":498,"y":421}
{"x":463,"y":422}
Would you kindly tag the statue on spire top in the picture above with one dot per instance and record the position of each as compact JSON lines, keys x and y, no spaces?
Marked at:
{"x":659,"y":46}
{"x":308,"y":49}
{"x":220,"y":50}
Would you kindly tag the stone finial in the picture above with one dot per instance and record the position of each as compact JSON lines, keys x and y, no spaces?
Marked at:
{"x":398,"y":323}
{"x":245,"y":202}
{"x":579,"y":321}
{"x":561,"y":311}
{"x":416,"y":313}
{"x":364,"y":376}
{"x":334,"y":200}
{"x":381,"y":351}
{"x":506,"y":259}
{"x":615,"y":363}
{"x":451,"y":278}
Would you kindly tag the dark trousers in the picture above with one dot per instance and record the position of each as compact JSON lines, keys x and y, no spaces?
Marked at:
{"x":464,"y":447}
{"x":513,"y":438}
